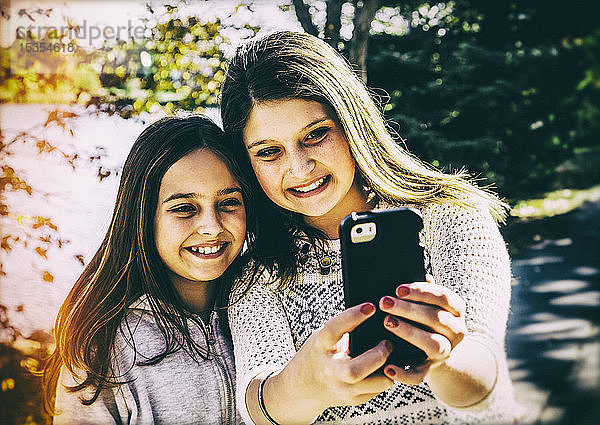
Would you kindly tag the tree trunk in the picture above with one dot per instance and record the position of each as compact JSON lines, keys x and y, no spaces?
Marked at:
{"x":363,"y":15}
{"x":303,"y":15}
{"x":358,"y":46}
{"x":334,"y":22}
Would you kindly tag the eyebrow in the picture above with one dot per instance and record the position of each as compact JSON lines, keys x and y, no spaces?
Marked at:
{"x":190,"y":195}
{"x":264,"y":141}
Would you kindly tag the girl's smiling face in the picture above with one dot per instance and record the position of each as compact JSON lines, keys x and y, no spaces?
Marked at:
{"x":301,"y":159}
{"x":200,"y":221}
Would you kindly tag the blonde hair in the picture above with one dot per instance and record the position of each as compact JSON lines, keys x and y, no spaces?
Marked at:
{"x":287,"y":65}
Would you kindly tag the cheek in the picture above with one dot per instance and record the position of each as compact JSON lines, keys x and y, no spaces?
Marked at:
{"x":160,"y":239}
{"x":241,"y":225}
{"x":267,"y":175}
{"x":339,"y":158}
{"x":236,"y":225}
{"x":167,"y":234}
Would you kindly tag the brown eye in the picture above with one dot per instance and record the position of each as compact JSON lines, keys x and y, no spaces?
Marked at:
{"x":268,"y":153}
{"x":184,"y":209}
{"x":230,"y":204}
{"x":316,"y":135}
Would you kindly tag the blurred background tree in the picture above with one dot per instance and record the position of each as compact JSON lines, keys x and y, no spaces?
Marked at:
{"x":178,"y":66}
{"x":507,"y":89}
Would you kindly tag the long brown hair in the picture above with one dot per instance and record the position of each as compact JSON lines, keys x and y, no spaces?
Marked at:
{"x":291,"y":65}
{"x":127,"y":264}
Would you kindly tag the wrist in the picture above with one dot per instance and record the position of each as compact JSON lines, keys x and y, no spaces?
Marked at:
{"x":285,"y":403}
{"x":261,"y":399}
{"x":466,"y":377}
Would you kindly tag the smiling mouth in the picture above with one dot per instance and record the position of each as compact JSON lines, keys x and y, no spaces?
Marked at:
{"x":315,"y":187}
{"x":212,"y":251}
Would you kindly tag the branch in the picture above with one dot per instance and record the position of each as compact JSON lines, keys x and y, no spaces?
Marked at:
{"x":303,"y":16}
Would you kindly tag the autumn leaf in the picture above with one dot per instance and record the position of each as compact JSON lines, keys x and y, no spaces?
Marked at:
{"x":102,"y":175}
{"x":41,"y":252}
{"x":5,"y":245}
{"x":47,"y":276}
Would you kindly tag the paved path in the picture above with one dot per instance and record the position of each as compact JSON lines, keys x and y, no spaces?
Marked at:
{"x":553,"y":339}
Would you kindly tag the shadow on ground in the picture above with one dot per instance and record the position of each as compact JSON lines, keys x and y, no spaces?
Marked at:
{"x":553,"y":338}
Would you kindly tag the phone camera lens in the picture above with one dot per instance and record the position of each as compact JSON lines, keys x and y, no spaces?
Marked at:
{"x":359,"y":230}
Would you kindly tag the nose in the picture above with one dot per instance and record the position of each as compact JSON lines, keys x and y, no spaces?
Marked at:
{"x":209,"y":222}
{"x":300,"y":163}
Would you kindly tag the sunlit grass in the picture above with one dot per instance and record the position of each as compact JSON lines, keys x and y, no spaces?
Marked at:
{"x":554,"y":203}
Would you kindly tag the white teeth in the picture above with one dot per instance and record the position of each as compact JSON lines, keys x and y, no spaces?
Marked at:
{"x":207,"y":249}
{"x":311,"y":186}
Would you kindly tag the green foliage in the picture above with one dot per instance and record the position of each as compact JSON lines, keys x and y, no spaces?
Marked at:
{"x":179,"y":66}
{"x":30,"y":73}
{"x":554,"y":203}
{"x":482,"y":85}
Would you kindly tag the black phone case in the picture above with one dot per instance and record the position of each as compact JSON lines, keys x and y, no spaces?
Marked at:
{"x":374,"y":269}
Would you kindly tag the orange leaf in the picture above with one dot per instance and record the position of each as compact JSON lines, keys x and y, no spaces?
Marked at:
{"x":5,"y":244}
{"x":41,"y":252}
{"x":48,"y":277}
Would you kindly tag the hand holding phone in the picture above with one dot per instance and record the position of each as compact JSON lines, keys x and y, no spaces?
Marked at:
{"x":381,"y":250}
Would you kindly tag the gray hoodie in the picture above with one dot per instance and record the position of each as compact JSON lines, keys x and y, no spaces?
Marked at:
{"x":177,"y":390}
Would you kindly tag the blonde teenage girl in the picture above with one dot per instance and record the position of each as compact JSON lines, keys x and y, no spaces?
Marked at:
{"x":316,"y":148}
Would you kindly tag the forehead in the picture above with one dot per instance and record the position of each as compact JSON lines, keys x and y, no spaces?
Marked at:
{"x":200,"y":171}
{"x":280,"y":118}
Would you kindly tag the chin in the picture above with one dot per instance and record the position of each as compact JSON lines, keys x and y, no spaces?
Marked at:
{"x":315,"y":210}
{"x":208,"y":277}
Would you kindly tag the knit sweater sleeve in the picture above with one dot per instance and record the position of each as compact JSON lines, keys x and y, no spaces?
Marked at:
{"x":261,"y":336}
{"x":469,"y":256}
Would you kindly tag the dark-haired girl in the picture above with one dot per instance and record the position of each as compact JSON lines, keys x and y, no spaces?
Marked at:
{"x":142,"y":336}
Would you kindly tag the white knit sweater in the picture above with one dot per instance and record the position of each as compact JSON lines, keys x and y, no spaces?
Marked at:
{"x":464,"y":251}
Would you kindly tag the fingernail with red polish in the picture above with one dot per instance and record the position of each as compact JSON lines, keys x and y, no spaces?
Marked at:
{"x":392,"y":322}
{"x":390,"y":371}
{"x":387,"y":302}
{"x":402,"y":291}
{"x":367,"y":308}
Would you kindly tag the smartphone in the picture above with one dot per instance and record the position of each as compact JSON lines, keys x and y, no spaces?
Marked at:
{"x":381,"y":250}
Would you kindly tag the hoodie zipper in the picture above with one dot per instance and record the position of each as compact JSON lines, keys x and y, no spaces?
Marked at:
{"x":229,"y":406}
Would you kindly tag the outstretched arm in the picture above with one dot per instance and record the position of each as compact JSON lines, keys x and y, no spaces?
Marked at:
{"x":459,"y":370}
{"x":319,"y":375}
{"x":467,"y":309}
{"x":322,"y":374}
